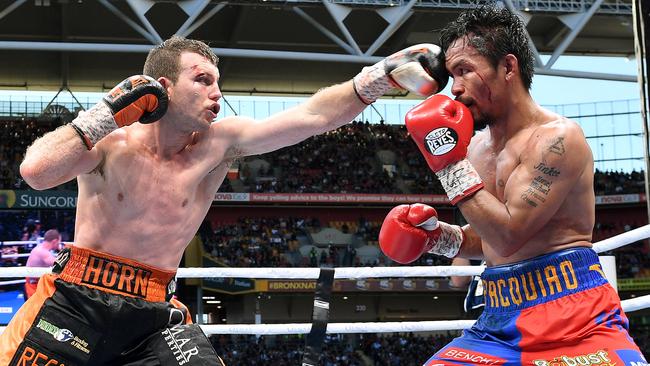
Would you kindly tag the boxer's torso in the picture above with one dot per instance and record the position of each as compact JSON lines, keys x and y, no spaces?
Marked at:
{"x":37,"y":257}
{"x":570,"y":226}
{"x":139,"y":205}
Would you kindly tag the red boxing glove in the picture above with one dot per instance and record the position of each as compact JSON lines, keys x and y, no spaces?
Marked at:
{"x":409,"y":231}
{"x":442,"y":129}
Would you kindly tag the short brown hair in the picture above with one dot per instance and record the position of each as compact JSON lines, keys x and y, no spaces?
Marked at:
{"x":163,"y":60}
{"x":51,"y":234}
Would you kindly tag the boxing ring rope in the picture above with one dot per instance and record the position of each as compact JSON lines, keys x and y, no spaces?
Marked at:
{"x":618,"y":241}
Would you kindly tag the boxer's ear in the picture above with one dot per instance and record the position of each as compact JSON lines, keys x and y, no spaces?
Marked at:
{"x":511,"y":65}
{"x":165,"y":82}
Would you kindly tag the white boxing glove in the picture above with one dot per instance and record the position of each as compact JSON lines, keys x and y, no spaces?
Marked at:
{"x":419,"y":69}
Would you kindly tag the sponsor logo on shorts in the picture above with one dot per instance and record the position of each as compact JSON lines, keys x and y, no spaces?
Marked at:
{"x":632,"y":357}
{"x":465,"y":355}
{"x":33,"y":357}
{"x":63,"y":335}
{"x":116,"y":276}
{"x":171,"y":287}
{"x":179,"y":346}
{"x":600,"y":357}
{"x":441,"y":140}
{"x":61,"y":259}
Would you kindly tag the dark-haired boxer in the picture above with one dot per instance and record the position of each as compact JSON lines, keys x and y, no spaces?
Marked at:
{"x":525,"y":186}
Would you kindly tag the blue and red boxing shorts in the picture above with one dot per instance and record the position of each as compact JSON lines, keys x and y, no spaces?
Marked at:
{"x":553,"y":310}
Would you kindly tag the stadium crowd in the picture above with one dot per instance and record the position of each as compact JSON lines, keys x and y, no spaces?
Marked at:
{"x":397,"y":349}
{"x":338,"y":350}
{"x":356,"y":158}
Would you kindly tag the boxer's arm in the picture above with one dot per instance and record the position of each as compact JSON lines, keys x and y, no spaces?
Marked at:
{"x":419,"y":69}
{"x":472,"y":247}
{"x":556,"y":156}
{"x":45,"y":258}
{"x":57,"y":157}
{"x":326,"y":110}
{"x":460,"y":281}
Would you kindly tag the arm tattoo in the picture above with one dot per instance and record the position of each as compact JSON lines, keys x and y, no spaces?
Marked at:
{"x":548,"y":170}
{"x":557,"y":146}
{"x":537,"y":191}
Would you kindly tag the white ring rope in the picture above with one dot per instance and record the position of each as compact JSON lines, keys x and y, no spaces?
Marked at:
{"x":13,"y":282}
{"x":27,"y":242}
{"x":370,"y":327}
{"x":630,"y":305}
{"x":11,"y":256}
{"x":345,"y":272}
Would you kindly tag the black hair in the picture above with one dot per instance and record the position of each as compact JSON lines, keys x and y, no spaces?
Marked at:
{"x":494,"y":32}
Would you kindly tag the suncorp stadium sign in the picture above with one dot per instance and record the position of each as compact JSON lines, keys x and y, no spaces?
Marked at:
{"x":37,"y":199}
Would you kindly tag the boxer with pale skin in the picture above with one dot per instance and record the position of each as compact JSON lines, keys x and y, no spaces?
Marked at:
{"x":149,"y":159}
{"x":43,"y":255}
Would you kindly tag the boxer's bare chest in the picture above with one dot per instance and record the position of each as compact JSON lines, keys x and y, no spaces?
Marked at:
{"x":139,"y":181}
{"x":495,"y":162}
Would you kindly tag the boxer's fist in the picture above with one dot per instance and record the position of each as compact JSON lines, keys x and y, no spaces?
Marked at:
{"x":442,"y":129}
{"x":401,"y":238}
{"x":419,"y":69}
{"x":138,"y":98}
{"x":408,"y":231}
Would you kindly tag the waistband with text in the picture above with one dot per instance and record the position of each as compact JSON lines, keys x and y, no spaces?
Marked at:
{"x":541,"y":279}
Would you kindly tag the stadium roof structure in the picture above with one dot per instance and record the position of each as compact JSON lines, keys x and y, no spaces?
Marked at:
{"x":275,"y":46}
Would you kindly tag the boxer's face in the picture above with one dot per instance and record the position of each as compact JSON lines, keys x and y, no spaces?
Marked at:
{"x":194,"y":97}
{"x":475,"y":81}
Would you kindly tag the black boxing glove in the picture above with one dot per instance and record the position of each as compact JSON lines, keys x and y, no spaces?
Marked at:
{"x":138,"y":98}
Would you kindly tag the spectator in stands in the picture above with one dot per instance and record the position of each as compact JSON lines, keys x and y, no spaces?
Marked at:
{"x":43,"y":255}
{"x":32,"y":230}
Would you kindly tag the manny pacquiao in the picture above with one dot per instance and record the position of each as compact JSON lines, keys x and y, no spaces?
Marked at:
{"x":524,"y":183}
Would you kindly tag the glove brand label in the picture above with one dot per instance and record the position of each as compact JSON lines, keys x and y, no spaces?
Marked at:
{"x":441,"y":140}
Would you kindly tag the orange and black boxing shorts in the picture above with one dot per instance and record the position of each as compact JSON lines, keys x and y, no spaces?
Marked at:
{"x":554,"y":310}
{"x":99,"y":309}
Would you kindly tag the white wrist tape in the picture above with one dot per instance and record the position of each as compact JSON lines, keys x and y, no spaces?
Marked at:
{"x":449,"y":242}
{"x":95,"y":123}
{"x":460,"y":180}
{"x":372,"y":82}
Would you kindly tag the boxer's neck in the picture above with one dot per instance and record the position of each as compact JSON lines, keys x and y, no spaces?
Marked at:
{"x":162,"y":139}
{"x":521,"y":113}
